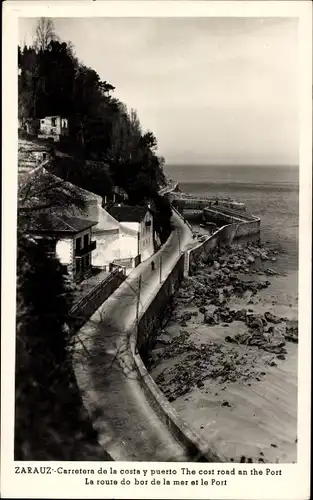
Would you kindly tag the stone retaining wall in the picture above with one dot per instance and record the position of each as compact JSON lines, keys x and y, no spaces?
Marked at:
{"x":152,"y":318}
{"x":192,"y":215}
{"x":226,"y":234}
{"x":196,"y":448}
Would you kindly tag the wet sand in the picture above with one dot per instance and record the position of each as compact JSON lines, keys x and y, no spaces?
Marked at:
{"x":251,"y":413}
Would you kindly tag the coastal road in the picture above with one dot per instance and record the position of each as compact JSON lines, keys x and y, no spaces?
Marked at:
{"x":128,"y":427}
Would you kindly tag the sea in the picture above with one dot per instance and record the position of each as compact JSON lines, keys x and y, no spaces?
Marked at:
{"x":271,"y":193}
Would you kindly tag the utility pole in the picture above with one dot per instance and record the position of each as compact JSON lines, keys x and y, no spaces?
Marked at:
{"x":178,"y":236}
{"x":138,"y":301}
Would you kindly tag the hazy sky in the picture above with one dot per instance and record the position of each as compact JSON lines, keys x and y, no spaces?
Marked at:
{"x":213,"y":90}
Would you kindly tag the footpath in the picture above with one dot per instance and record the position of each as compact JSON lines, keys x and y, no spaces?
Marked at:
{"x":128,"y":427}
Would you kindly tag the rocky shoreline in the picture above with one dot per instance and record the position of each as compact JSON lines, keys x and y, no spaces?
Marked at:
{"x":220,"y":333}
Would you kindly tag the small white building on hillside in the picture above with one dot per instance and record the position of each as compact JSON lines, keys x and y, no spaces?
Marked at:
{"x":53,"y":127}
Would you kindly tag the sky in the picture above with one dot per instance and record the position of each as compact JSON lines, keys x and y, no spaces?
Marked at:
{"x":213,"y":90}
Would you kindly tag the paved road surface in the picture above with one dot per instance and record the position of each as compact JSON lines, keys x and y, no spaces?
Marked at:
{"x":128,"y":427}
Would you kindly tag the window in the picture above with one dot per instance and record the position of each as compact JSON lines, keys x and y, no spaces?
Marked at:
{"x":53,"y":122}
{"x":86,"y":240}
{"x":78,"y":244}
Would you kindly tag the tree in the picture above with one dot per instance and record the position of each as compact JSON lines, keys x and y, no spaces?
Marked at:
{"x":45,"y":34}
{"x":42,"y":191}
{"x":52,"y":81}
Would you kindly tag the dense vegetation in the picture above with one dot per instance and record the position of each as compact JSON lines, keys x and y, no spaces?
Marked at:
{"x":52,"y":81}
{"x":106,"y":147}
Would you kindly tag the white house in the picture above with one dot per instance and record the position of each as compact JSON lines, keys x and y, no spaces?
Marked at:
{"x":136,"y":231}
{"x":124,"y":236}
{"x":70,"y":238}
{"x":53,"y":127}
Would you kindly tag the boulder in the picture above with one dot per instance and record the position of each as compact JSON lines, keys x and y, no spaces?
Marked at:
{"x":216,"y":265}
{"x":257,"y":323}
{"x":264,"y":256}
{"x":271,"y":318}
{"x":240,"y":315}
{"x":164,"y":338}
{"x":281,"y":356}
{"x":291,"y":333}
{"x":270,"y":271}
{"x":211,"y":318}
{"x":185,"y":317}
{"x":225,"y":315}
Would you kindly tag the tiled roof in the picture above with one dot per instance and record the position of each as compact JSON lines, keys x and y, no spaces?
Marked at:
{"x":49,"y":222}
{"x":82,"y":193}
{"x":128,"y":213}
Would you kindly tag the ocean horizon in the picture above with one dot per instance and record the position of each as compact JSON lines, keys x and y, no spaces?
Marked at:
{"x":238,"y":174}
{"x":271,"y":193}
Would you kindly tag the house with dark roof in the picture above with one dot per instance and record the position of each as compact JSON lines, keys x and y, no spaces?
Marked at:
{"x":70,"y":238}
{"x":136,"y":231}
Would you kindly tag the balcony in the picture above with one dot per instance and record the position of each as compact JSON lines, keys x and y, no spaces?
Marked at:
{"x":86,"y":249}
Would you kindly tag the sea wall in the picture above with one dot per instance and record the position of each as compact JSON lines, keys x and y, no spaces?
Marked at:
{"x":197,"y":449}
{"x":204,"y":248}
{"x":153,"y":317}
{"x":213,"y":215}
{"x":192,"y":215}
{"x":227,"y":234}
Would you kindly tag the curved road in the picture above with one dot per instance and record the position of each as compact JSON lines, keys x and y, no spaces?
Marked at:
{"x":129,"y":429}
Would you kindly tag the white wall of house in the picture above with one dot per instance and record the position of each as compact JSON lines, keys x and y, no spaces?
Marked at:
{"x":128,"y":245}
{"x":113,"y":246}
{"x":64,"y":251}
{"x":54,"y":125}
{"x":133,"y":226}
{"x":66,"y":248}
{"x":108,"y":248}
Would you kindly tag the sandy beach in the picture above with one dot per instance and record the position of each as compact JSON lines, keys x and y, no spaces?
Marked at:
{"x":227,"y":359}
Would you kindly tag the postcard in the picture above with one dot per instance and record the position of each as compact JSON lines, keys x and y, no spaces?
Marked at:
{"x":156,"y":276}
